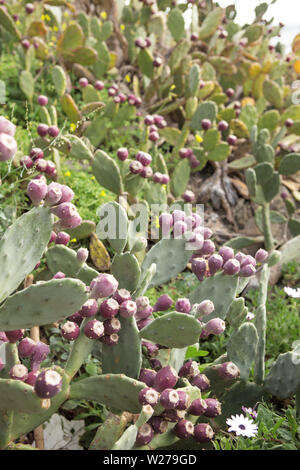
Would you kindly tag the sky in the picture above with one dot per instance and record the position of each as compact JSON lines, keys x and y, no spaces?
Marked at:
{"x":284,"y":11}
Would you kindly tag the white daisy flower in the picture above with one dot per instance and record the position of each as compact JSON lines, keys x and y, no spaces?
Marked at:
{"x":250,"y":316}
{"x":242,"y":426}
{"x":295,"y":293}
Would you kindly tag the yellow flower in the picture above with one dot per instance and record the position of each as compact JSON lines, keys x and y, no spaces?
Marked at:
{"x":74,"y":240}
{"x":198,"y":138}
{"x":47,"y":18}
{"x":67,"y":173}
{"x":53,"y":38}
{"x":128,"y":78}
{"x":93,"y":178}
{"x":122,"y":27}
{"x":103,"y":193}
{"x":66,"y":14}
{"x":64,"y":26}
{"x":72,"y":22}
{"x":55,"y":28}
{"x":18,"y":22}
{"x":51,"y":43}
{"x":103,"y":15}
{"x":43,"y":17}
{"x":72,"y":127}
{"x":173,"y":87}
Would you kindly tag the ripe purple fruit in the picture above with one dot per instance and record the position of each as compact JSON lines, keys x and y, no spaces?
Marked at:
{"x":148,"y":396}
{"x":128,"y":309}
{"x":99,"y":85}
{"x":62,"y":238}
{"x":231,"y":267}
{"x":203,"y":432}
{"x":189,"y":369}
{"x":159,"y":424}
{"x":163,"y":303}
{"x":184,"y":400}
{"x":206,"y":307}
{"x":188,"y":196}
{"x":228,"y":371}
{"x":40,"y":353}
{"x":26,"y":347}
{"x":70,"y":331}
{"x":213,"y":408}
{"x":29,"y":7}
{"x":184,"y":429}
{"x":110,"y":340}
{"x":215,"y":326}
{"x":147,"y":376}
{"x":42,"y":130}
{"x":261,"y":256}
{"x":247,"y":270}
{"x":53,"y":195}
{"x":31,"y":379}
{"x":7,"y":127}
{"x":53,"y":131}
{"x":122,"y":154}
{"x":94,"y":329}
{"x":226,"y":252}
{"x":198,"y":407}
{"x":165,"y":222}
{"x":8,"y":147}
{"x":82,"y":255}
{"x":173,"y":415}
{"x":230,"y":92}
{"x":169,"y":398}
{"x":83,"y":82}
{"x":112,"y":326}
{"x":43,"y":100}
{"x":144,"y":158}
{"x":199,"y":267}
{"x":183,"y":305}
{"x":289,"y":123}
{"x":232,"y":139}
{"x":206,"y":124}
{"x":121,"y":295}
{"x":165,"y":378}
{"x":103,"y":286}
{"x":14,"y":335}
{"x":145,"y":435}
{"x":67,"y":194}
{"x":25,"y":44}
{"x":48,"y":384}
{"x":135,"y":167}
{"x":59,"y":275}
{"x":109,"y":308}
{"x":19,"y":372}
{"x":223,"y":126}
{"x":201,"y":381}
{"x":36,"y":153}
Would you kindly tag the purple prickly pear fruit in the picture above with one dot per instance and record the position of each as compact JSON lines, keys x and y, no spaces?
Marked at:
{"x":145,"y":313}
{"x":19,"y":372}
{"x":109,"y":308}
{"x":159,"y":424}
{"x":149,"y":120}
{"x":223,"y":126}
{"x":29,"y":7}
{"x":112,"y":92}
{"x":150,"y":348}
{"x":94,"y":329}
{"x":14,"y":335}
{"x":36,"y":153}
{"x":128,"y":308}
{"x":144,"y":158}
{"x":203,"y":432}
{"x":76,"y":317}
{"x":104,"y":285}
{"x":198,"y":407}
{"x":213,"y":408}
{"x":31,"y":379}
{"x":194,"y":37}
{"x":53,"y":195}
{"x":215,"y":326}
{"x":7,"y":127}
{"x":65,"y":210}
{"x":147,"y":376}
{"x":99,"y":85}
{"x":154,"y":136}
{"x":26,"y":162}
{"x":184,"y":429}
{"x":206,"y":124}
{"x":147,"y":172}
{"x":143,"y":323}
{"x":194,"y":162}
{"x":3,"y":337}
{"x":82,"y":255}
{"x":121,"y":295}
{"x":204,"y":334}
{"x":70,"y":331}
{"x":208,"y":247}
{"x":226,"y":252}
{"x":71,"y":222}
{"x":248,"y":260}
{"x":197,"y":223}
{"x":122,"y":154}
{"x":207,"y":233}
{"x":169,"y":399}
{"x":53,"y":131}
{"x":179,"y":229}
{"x":135,"y":167}
{"x":232,"y":139}
{"x":36,"y":190}
{"x":26,"y":347}
{"x":148,"y":396}
{"x":165,"y":222}
{"x":185,"y":153}
{"x":178,"y":216}
{"x":230,"y":92}
{"x":165,"y":179}
{"x":153,"y":128}
{"x":25,"y":44}
{"x":43,"y":100}
{"x":206,"y":307}
{"x":39,"y":354}
{"x":142,"y":302}
{"x":261,"y":256}
{"x":41,"y":165}
{"x":67,"y":194}
{"x":48,"y":384}
{"x":183,"y":305}
{"x":199,"y":268}
{"x":110,"y":340}
{"x":163,"y":303}
{"x":145,"y":435}
{"x":247,"y":271}
{"x":173,"y":415}
{"x":62,"y":238}
{"x":215,"y":263}
{"x":188,"y":196}
{"x":161,"y":124}
{"x":240,"y":257}
{"x":2,"y":365}
{"x":228,"y":371}
{"x":184,"y":400}
{"x":289,"y":123}
{"x":83,"y":82}
{"x":157,"y":177}
{"x":189,"y":369}
{"x":231,"y":267}
{"x":201,"y":381}
{"x":8,"y":147}
{"x":42,"y":130}
{"x":112,"y":326}
{"x":165,"y":378}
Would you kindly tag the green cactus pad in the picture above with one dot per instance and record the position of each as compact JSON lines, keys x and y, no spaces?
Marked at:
{"x":109,"y":432}
{"x":127,"y":440}
{"x":176,"y":23}
{"x":112,"y":390}
{"x":241,"y":348}
{"x":283,"y":380}
{"x":207,"y":110}
{"x":84,"y":230}
{"x":171,"y":135}
{"x":70,"y":108}
{"x":19,"y":397}
{"x":145,"y":62}
{"x":146,"y":280}
{"x":211,"y":23}
{"x":220,"y":289}
{"x":290,"y":164}
{"x":7,"y":22}
{"x":59,"y":80}
{"x":79,"y":149}
{"x":63,"y":259}
{"x":26,"y":83}
{"x":90,"y":94}
{"x":170,"y":257}
{"x":236,"y":314}
{"x":118,"y":219}
{"x":194,"y":79}
{"x":219,"y":153}
{"x":22,"y":247}
{"x":107,"y":172}
{"x":273,"y":93}
{"x":41,"y":304}
{"x":180,"y":177}
{"x":269,"y":120}
{"x":173,"y":330}
{"x":211,"y":139}
{"x":125,"y":357}
{"x":126,"y":270}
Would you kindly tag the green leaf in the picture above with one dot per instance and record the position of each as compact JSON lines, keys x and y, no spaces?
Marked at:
{"x":107,"y":172}
{"x":207,"y":110}
{"x":176,"y":23}
{"x":211,"y":23}
{"x":290,"y":164}
{"x":211,"y":139}
{"x":180,"y":177}
{"x":145,"y":62}
{"x":171,"y":135}
{"x":27,"y":84}
{"x":220,"y":153}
